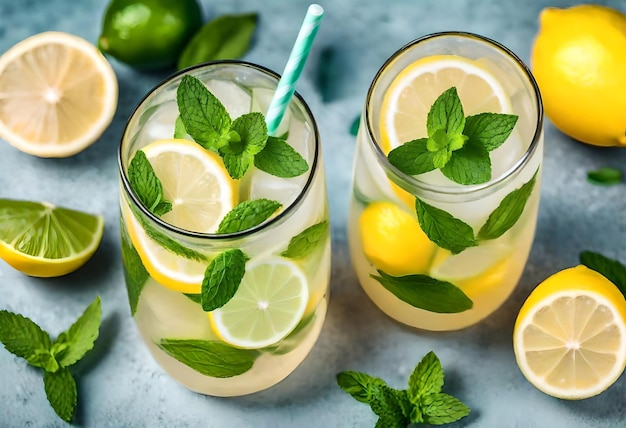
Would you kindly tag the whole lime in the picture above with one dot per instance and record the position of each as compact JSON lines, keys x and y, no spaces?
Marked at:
{"x":149,"y":34}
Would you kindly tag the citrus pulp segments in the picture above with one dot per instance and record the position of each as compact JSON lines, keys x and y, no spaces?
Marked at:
{"x":42,"y":240}
{"x":57,"y":94}
{"x":571,"y":344}
{"x":195,"y":181}
{"x":168,"y":269}
{"x":269,"y":303}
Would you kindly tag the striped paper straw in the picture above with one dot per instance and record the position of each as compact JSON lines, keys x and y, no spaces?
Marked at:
{"x":299,"y":53}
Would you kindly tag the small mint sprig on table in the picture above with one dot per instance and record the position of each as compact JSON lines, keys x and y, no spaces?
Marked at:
{"x":422,"y":403}
{"x":22,"y":337}
{"x":241,"y":142}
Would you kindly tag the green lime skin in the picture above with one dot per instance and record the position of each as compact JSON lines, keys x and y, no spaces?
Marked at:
{"x":149,"y":34}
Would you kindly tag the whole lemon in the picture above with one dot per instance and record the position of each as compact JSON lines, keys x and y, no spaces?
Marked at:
{"x":579,"y":62}
{"x":149,"y":34}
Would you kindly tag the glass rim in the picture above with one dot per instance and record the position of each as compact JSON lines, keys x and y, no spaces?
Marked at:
{"x":420,"y":185}
{"x":221,"y":236}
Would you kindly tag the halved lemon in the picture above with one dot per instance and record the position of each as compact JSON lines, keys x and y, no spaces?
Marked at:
{"x":201,"y":192}
{"x":42,"y":240}
{"x":269,"y":304}
{"x":570,"y":334}
{"x":414,"y":90}
{"x":57,"y":94}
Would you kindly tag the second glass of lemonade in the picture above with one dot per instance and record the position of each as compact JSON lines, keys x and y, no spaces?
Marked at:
{"x":225,"y":230}
{"x":446,"y":181}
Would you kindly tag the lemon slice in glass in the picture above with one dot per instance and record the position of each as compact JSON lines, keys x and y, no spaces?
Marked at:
{"x":42,"y":240}
{"x":57,"y":94}
{"x":570,"y":334}
{"x":269,"y":304}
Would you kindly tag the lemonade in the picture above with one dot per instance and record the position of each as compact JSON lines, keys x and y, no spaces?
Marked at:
{"x":444,"y":202}
{"x":228,"y":266}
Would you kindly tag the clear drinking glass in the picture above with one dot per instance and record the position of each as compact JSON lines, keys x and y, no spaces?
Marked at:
{"x":187,"y":342}
{"x":383,"y":211}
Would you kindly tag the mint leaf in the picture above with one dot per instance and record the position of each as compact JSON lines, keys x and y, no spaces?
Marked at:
{"x":210,"y":358}
{"x":358,"y":384}
{"x":135,"y":274}
{"x":252,"y":130}
{"x":222,"y":279}
{"x":613,"y":270}
{"x":354,"y":127}
{"x":442,"y":409}
{"x":424,"y":292}
{"x":237,"y":164}
{"x":164,"y":240}
{"x":147,"y":185}
{"x":468,"y":165}
{"x":80,"y":337}
{"x":489,"y":130}
{"x":388,"y":404}
{"x":306,"y":241}
{"x":278,"y":158}
{"x":179,"y":129}
{"x":44,"y":359}
{"x":21,"y":336}
{"x":196,"y":298}
{"x":413,"y":157}
{"x":508,"y":212}
{"x":427,"y":378}
{"x":248,"y":214}
{"x":605,"y":176}
{"x":443,"y":229}
{"x":446,"y":114}
{"x":204,"y":116}
{"x":61,"y":391}
{"x":225,"y":37}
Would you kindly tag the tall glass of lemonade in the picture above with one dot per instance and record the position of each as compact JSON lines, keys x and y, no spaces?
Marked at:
{"x":446,"y":181}
{"x":225,"y":229}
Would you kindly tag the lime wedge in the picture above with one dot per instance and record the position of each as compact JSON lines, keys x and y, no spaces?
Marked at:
{"x":42,"y":240}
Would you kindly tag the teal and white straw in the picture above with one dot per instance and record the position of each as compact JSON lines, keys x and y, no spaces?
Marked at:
{"x":299,"y":53}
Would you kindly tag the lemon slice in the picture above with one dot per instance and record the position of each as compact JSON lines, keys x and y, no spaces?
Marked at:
{"x":270,"y":302}
{"x":57,"y":94}
{"x":195,"y":182}
{"x":570,"y":334}
{"x":42,"y":240}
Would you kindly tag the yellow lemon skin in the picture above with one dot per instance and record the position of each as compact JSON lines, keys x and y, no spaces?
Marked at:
{"x":579,"y":61}
{"x":393,"y":240}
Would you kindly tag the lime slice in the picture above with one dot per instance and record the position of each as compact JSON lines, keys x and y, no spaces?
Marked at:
{"x":269,"y":304}
{"x":57,"y":94}
{"x":42,"y":240}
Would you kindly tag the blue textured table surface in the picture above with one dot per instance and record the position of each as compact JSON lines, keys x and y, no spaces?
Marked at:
{"x":119,"y":383}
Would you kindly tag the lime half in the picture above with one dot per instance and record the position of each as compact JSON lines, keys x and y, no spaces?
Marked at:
{"x":42,"y":240}
{"x":269,"y":303}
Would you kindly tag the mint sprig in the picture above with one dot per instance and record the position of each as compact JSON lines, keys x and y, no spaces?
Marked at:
{"x":248,"y":214}
{"x":241,"y":142}
{"x":422,"y":403}
{"x":222,"y":278}
{"x":147,"y":185}
{"x":22,"y":337}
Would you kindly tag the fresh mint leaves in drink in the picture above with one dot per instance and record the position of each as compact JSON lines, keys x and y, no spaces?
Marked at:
{"x":222,"y":279}
{"x":147,"y":185}
{"x":306,"y":241}
{"x":248,"y":214}
{"x":241,"y":143}
{"x":422,"y":403}
{"x":23,"y":338}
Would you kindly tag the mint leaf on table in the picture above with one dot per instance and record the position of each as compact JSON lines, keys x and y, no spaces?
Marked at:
{"x":423,"y":402}
{"x":147,"y":185}
{"x":489,"y":130}
{"x":469,"y":165}
{"x":210,"y":358}
{"x":306,"y":241}
{"x":279,"y":159}
{"x":61,"y":392}
{"x":222,"y":278}
{"x":225,"y":37}
{"x":508,"y":212}
{"x":135,"y":274}
{"x":73,"y":344}
{"x":611,"y":269}
{"x":424,"y":292}
{"x":605,"y":176}
{"x":443,"y":229}
{"x":354,"y":127}
{"x":413,"y":157}
{"x":24,"y":338}
{"x":179,"y":128}
{"x":248,"y":214}
{"x":204,"y":116}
